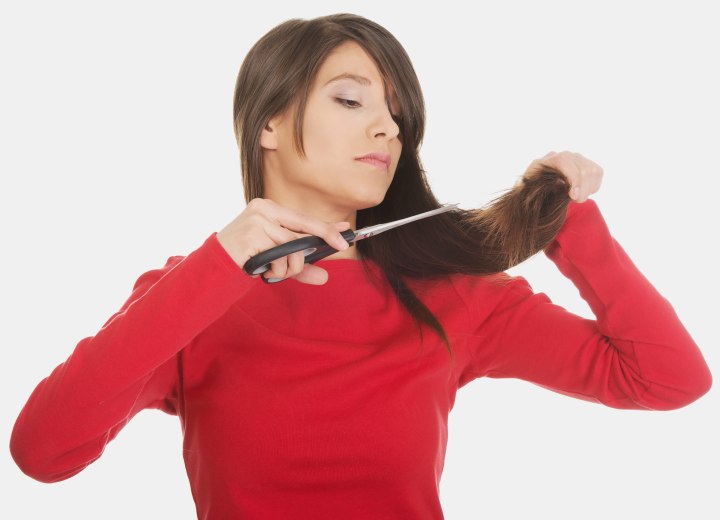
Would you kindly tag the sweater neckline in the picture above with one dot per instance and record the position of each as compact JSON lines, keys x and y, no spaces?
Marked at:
{"x":348,"y":264}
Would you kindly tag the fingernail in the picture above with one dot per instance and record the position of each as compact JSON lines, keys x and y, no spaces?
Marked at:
{"x":343,"y":243}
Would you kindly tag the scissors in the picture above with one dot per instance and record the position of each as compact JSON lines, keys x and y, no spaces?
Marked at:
{"x":315,"y":248}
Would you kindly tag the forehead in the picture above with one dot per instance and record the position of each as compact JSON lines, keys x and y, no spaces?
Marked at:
{"x":350,"y":62}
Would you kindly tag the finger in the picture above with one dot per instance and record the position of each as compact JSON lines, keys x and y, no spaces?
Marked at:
{"x":279,"y":235}
{"x":342,"y":226}
{"x":306,"y":224}
{"x":290,"y":266}
{"x":278,"y":269}
{"x":309,"y":273}
{"x":312,"y":274}
{"x":575,"y":193}
{"x":296,"y":262}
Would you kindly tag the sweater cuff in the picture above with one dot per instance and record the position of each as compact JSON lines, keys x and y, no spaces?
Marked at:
{"x":583,"y":224}
{"x":214,"y":245}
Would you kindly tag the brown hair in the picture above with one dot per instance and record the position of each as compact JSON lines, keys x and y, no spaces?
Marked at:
{"x":278,"y":72}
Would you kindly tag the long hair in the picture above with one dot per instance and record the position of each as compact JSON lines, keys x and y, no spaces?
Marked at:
{"x":278,"y":72}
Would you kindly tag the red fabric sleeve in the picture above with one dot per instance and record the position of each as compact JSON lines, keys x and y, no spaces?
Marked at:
{"x":129,"y":365}
{"x":635,"y":355}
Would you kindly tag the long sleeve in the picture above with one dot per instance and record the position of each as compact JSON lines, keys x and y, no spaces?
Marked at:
{"x":129,"y":365}
{"x":635,"y":355}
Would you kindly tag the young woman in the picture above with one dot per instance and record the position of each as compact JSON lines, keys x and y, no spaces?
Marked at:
{"x":327,"y":395}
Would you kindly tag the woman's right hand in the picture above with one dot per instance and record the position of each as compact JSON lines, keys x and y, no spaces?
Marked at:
{"x":264,"y":224}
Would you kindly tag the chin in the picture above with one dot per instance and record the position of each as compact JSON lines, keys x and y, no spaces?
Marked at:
{"x":370,"y":201}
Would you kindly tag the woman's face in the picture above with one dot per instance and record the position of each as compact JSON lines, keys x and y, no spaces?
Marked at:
{"x":344,"y":119}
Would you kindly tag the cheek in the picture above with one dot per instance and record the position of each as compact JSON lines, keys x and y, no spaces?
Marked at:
{"x":326,"y":137}
{"x":396,"y":151}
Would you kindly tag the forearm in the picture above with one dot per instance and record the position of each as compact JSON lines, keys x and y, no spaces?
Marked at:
{"x":128,"y":365}
{"x":639,"y":322}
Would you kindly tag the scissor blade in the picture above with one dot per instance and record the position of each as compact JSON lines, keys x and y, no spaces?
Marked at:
{"x":379,"y":228}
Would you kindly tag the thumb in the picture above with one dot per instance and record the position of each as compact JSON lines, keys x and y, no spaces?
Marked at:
{"x":312,"y":274}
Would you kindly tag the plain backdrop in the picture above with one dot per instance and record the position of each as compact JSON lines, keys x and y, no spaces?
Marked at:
{"x":118,"y":152}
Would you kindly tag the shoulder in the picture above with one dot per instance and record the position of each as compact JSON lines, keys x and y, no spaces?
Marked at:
{"x":480,"y":295}
{"x":488,"y":292}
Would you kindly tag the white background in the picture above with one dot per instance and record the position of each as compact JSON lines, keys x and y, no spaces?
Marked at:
{"x":118,"y":152}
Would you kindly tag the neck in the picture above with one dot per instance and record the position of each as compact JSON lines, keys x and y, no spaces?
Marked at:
{"x":322,"y":211}
{"x":350,"y":253}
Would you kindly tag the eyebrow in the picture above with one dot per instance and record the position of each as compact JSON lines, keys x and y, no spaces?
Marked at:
{"x":355,"y":77}
{"x":346,"y":75}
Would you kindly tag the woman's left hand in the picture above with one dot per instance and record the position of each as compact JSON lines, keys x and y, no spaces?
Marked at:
{"x":584,"y":175}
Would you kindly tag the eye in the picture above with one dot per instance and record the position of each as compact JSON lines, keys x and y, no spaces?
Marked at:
{"x":345,"y":101}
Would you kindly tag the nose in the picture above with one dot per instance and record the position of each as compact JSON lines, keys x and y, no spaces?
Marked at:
{"x":385,"y":125}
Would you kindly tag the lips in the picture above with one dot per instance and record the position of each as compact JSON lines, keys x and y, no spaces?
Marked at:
{"x":376,"y":158}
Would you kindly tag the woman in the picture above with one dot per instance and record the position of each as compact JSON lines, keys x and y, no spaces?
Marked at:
{"x":329,"y":398}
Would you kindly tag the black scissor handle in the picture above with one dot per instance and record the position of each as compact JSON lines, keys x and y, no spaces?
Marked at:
{"x":315,"y":248}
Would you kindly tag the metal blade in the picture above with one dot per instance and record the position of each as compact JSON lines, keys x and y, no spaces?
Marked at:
{"x":379,"y":228}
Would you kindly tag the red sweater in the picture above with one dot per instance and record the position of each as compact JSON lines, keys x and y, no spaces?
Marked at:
{"x":301,"y":401}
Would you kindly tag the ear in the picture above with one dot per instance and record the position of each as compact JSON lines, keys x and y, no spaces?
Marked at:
{"x":269,"y":135}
